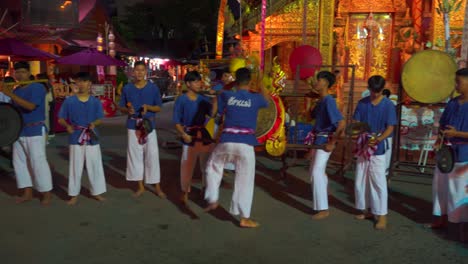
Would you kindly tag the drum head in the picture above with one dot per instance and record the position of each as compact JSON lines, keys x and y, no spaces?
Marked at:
{"x":11,"y":124}
{"x":429,"y":76}
{"x":445,"y":159}
{"x":266,"y":118}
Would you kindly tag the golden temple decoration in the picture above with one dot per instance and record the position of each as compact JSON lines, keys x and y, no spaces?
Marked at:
{"x":327,"y":15}
{"x":220,"y":29}
{"x":456,"y":25}
{"x":376,"y":6}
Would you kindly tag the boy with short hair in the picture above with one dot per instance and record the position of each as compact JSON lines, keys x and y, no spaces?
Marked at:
{"x":190,"y":112}
{"x":371,"y":184}
{"x":236,"y":145}
{"x":80,"y":114}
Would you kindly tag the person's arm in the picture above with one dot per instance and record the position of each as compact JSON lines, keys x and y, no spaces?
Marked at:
{"x":450,"y":132}
{"x":8,"y":91}
{"x":65,"y":124}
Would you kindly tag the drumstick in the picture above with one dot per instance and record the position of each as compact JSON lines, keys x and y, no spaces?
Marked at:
{"x":26,"y":82}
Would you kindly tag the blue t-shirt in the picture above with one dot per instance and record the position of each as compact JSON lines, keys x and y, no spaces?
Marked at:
{"x":148,"y":95}
{"x":34,"y":93}
{"x":241,"y":110}
{"x":456,"y":115}
{"x":327,"y":116}
{"x":189,"y":112}
{"x":80,"y":113}
{"x":379,"y":117}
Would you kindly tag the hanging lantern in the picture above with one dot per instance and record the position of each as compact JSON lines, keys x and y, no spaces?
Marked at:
{"x":112,"y":53}
{"x":111,"y":45}
{"x":99,"y":41}
{"x":111,"y":36}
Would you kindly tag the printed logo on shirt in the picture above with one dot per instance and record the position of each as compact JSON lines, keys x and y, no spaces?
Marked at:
{"x":241,"y":103}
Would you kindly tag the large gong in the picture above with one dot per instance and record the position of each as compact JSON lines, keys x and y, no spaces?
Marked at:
{"x":266,"y":119}
{"x":11,"y":124}
{"x":429,"y":76}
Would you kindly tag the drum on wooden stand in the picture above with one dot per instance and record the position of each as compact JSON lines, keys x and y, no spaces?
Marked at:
{"x":11,"y":124}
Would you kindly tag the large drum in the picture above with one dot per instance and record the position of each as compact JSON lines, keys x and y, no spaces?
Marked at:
{"x":429,"y":76}
{"x":270,"y":126}
{"x":11,"y":124}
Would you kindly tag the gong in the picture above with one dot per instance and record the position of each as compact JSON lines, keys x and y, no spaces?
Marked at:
{"x":266,"y":118}
{"x":429,"y":76}
{"x":11,"y":124}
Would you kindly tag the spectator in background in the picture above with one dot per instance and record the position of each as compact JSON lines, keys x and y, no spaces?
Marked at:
{"x":49,"y":105}
{"x":3,"y":97}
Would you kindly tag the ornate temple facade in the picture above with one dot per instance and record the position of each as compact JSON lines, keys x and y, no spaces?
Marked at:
{"x":376,"y":36}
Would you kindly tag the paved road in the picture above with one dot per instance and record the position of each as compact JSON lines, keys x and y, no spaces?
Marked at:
{"x":150,"y":230}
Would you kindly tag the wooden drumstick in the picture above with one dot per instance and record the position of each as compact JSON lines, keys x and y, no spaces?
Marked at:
{"x":25,"y":82}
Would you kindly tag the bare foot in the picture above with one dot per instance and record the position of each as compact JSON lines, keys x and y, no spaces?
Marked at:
{"x":321,"y":215}
{"x":211,"y":207}
{"x":27,"y":196}
{"x":139,"y":192}
{"x":46,"y":197}
{"x":381,"y":222}
{"x":363,"y":216}
{"x":159,"y":192}
{"x":184,"y":198}
{"x":99,"y":198}
{"x":73,"y":200}
{"x":248,"y":223}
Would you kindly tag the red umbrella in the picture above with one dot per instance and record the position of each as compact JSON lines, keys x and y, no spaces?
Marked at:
{"x":18,"y":50}
{"x":305,"y":56}
{"x":90,"y":57}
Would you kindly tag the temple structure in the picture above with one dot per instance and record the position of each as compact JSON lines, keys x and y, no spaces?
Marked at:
{"x":376,"y":36}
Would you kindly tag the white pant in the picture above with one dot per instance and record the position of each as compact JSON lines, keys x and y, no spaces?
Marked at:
{"x":388,"y":154}
{"x":143,"y":160}
{"x":319,"y":178}
{"x":243,"y":156}
{"x":371,"y":185}
{"x":190,"y":155}
{"x":449,"y":191}
{"x":227,"y":165}
{"x":91,"y":154}
{"x":30,"y":163}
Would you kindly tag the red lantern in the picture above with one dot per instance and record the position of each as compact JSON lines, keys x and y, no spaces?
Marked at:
{"x":305,"y":56}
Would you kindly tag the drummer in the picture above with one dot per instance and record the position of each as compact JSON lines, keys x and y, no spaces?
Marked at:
{"x":29,"y":152}
{"x":329,"y":125}
{"x":236,"y":146}
{"x":190,"y":112}
{"x":371,"y":184}
{"x":449,"y":189}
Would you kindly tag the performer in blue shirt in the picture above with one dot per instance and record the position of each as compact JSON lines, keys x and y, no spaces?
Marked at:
{"x":142,"y":100}
{"x":80,"y":114}
{"x":29,"y":153}
{"x":191,"y":111}
{"x":449,"y":191}
{"x":371,"y":184}
{"x":237,"y":146}
{"x":329,"y":125}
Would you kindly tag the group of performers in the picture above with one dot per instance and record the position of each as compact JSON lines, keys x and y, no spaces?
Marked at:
{"x":238,"y":108}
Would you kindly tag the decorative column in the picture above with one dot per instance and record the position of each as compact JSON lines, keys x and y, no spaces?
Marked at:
{"x":327,"y":16}
{"x":417,"y":13}
{"x":464,"y":50}
{"x":220,"y":32}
